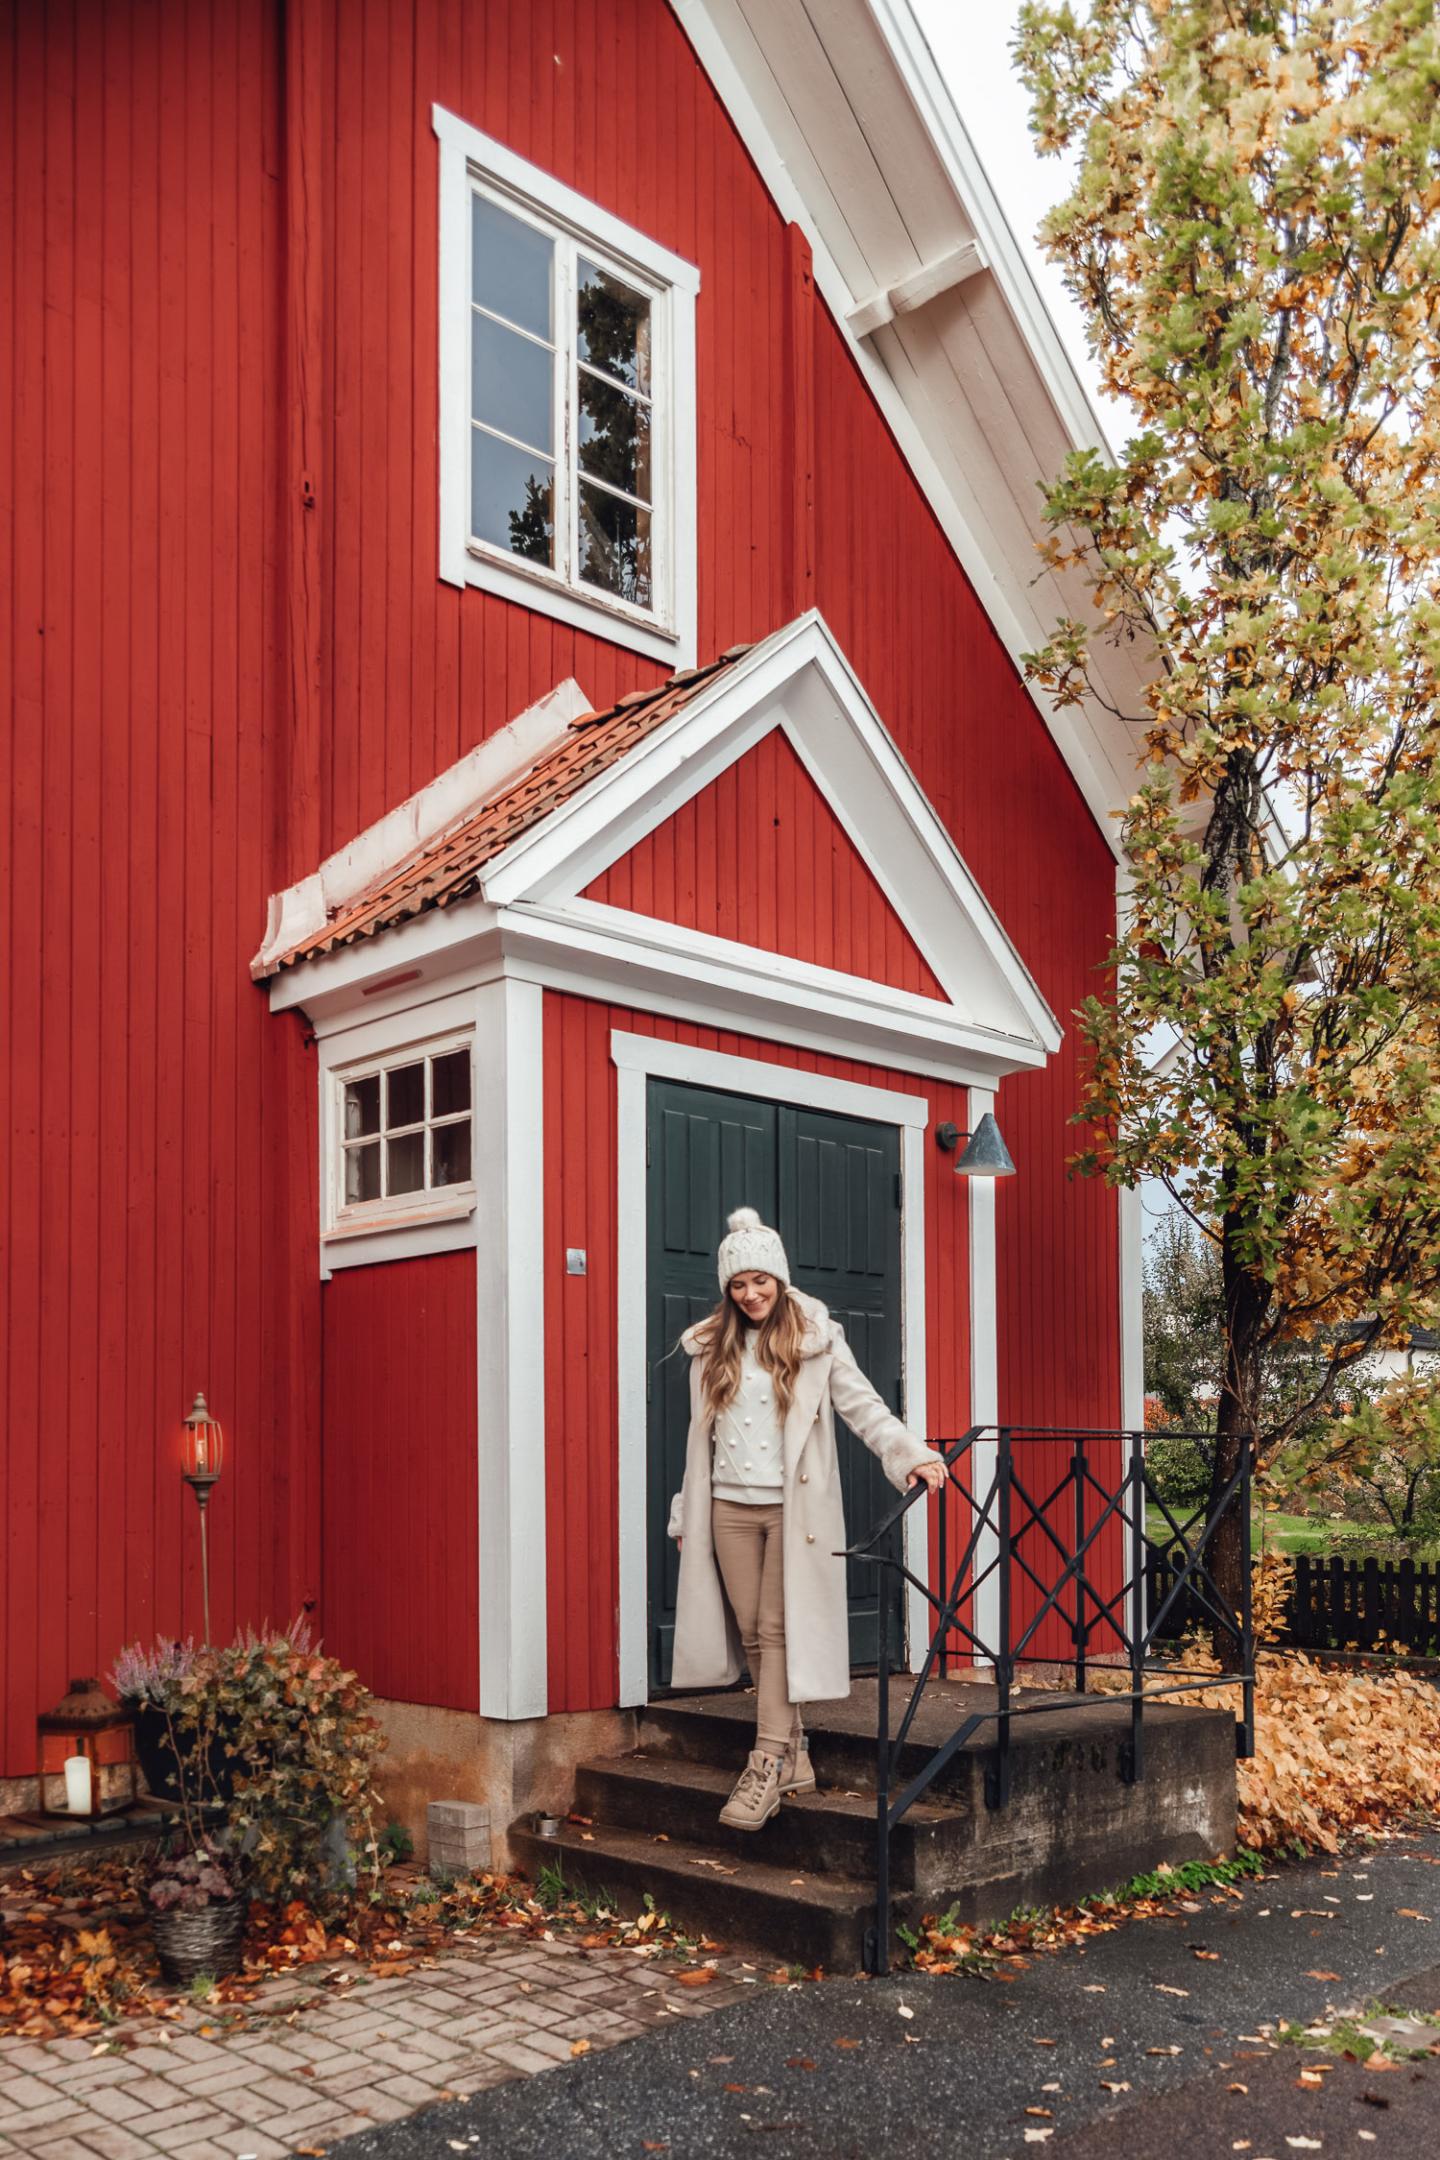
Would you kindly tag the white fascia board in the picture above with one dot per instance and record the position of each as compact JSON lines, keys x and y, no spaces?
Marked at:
{"x":1076,"y":735}
{"x":599,"y":952}
{"x":602,"y":951}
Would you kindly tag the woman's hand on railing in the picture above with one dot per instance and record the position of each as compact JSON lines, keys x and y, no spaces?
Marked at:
{"x":932,"y":1473}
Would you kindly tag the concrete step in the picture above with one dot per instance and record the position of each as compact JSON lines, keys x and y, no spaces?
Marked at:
{"x":831,"y":1830}
{"x":719,"y":1729}
{"x":801,"y":1889}
{"x":799,"y":1917}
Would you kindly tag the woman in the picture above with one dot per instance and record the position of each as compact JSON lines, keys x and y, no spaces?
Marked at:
{"x":759,"y":1518}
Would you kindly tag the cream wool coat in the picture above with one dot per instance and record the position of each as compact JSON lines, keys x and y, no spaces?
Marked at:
{"x":817,"y":1638}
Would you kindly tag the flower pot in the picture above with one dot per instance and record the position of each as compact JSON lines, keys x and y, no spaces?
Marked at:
{"x":157,"y":1762}
{"x":207,"y":1941}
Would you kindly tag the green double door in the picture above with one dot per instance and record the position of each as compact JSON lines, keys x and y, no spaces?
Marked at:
{"x":831,"y":1186}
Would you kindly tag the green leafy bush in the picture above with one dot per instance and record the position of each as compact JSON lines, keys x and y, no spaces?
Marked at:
{"x":293,"y":1731}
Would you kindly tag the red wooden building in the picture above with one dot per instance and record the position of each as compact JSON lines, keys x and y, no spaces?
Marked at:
{"x":518,"y":531}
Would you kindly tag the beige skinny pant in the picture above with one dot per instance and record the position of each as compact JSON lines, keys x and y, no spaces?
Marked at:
{"x":749,"y":1552}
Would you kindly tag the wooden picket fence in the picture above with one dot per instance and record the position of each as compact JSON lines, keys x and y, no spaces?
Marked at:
{"x":1334,"y":1604}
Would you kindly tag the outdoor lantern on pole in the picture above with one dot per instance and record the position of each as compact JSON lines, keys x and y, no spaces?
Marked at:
{"x":204,"y":1452}
{"x":82,"y":1738}
{"x":984,"y":1154}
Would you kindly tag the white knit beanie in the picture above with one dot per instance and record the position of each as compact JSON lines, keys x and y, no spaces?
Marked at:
{"x":751,"y":1244}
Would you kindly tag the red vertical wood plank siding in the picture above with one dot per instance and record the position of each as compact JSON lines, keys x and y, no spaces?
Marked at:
{"x":220,"y":281}
{"x":580,"y":1310}
{"x":398,"y":1456}
{"x":779,"y":832}
{"x":148,"y":1222}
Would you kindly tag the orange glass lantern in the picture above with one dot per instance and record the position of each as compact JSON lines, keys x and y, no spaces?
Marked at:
{"x":203,"y":1452}
{"x":204,"y":1449}
{"x":87,"y":1754}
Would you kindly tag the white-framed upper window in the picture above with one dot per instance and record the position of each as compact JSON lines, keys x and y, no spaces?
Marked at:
{"x":567,"y":402}
{"x":400,"y":1135}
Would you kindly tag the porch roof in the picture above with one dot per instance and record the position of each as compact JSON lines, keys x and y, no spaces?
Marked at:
{"x":447,"y":867}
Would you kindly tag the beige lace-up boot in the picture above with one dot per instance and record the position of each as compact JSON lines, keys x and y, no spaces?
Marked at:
{"x":756,"y":1796}
{"x":796,"y":1774}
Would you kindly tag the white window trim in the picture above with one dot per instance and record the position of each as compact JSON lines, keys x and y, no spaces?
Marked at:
{"x":467,"y":156}
{"x":344,"y":1218}
{"x":638,"y":1059}
{"x":442,"y":1220}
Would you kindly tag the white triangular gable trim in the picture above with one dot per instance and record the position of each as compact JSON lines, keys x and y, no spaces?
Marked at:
{"x":800,"y":682}
{"x":527,"y":918}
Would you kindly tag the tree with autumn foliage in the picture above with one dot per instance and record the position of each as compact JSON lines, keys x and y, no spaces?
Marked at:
{"x":1253,"y":234}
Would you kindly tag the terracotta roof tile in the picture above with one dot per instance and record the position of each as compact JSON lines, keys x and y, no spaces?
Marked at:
{"x":446,"y":869}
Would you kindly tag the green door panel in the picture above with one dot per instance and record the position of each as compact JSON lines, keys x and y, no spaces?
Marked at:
{"x":831,"y":1186}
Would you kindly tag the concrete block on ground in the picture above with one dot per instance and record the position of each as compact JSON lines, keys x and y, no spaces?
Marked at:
{"x":458,"y":1835}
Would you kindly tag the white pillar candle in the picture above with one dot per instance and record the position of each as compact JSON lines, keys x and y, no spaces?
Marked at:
{"x":77,"y":1784}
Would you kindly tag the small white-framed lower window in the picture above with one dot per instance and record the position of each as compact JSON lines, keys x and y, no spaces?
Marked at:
{"x":401,"y":1136}
{"x":567,"y":402}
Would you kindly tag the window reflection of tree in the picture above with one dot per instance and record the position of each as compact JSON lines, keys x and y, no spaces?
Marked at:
{"x":613,"y":338}
{"x":532,"y":529}
{"x":615,"y":555}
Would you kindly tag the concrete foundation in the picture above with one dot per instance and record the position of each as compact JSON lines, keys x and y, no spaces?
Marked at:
{"x":522,"y":1768}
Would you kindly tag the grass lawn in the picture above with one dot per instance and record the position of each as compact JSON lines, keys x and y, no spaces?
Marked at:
{"x":1279,"y":1533}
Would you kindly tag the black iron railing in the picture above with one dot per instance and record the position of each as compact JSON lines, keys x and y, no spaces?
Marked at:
{"x":1051,"y":1567}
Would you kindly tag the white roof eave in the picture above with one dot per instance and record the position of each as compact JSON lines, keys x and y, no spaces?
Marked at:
{"x":850,"y":124}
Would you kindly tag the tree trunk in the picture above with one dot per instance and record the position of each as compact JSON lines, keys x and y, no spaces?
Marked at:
{"x":1235,"y":1424}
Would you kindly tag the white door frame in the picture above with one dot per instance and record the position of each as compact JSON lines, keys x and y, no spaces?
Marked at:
{"x":639,"y":1059}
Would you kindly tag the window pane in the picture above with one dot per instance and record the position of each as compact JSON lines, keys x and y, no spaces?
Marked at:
{"x":405,"y":1164}
{"x":362,"y":1106}
{"x":615,"y":546}
{"x":613,"y":327}
{"x":511,"y":267}
{"x":510,"y":383}
{"x":450,"y":1083}
{"x":614,"y":436}
{"x":362,"y":1173}
{"x":511,"y":498}
{"x":451,"y":1158}
{"x":405,"y":1100}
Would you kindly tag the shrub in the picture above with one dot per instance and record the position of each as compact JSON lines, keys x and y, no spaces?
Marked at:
{"x":291,"y":1730}
{"x":1179,"y":1470}
{"x":305,"y":1748}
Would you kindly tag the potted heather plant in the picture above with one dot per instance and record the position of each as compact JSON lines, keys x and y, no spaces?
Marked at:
{"x":267,"y":1749}
{"x":153,"y":1684}
{"x":195,"y":1893}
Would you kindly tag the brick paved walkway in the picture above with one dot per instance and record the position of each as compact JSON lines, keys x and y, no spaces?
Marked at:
{"x":321,"y":2064}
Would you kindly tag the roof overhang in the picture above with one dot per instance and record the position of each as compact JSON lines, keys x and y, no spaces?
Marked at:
{"x":852,"y":128}
{"x":526,"y":914}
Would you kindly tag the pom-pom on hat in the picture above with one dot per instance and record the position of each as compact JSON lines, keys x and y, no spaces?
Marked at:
{"x":752,"y":1245}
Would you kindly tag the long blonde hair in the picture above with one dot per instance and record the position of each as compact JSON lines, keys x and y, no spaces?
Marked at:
{"x":777,"y":1347}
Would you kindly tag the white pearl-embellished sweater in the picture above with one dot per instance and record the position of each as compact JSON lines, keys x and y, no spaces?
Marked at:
{"x":746,"y":1460}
